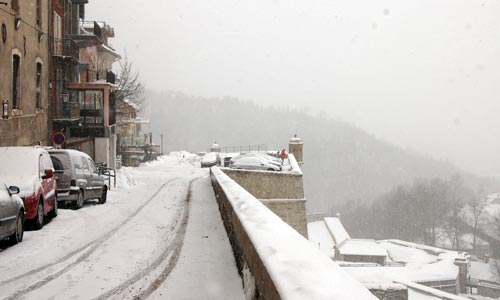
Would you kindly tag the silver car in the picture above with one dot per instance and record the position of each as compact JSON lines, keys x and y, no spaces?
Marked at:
{"x":78,"y":179}
{"x":12,"y":214}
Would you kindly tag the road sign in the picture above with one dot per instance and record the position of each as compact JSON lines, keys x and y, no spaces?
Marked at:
{"x":58,"y":138}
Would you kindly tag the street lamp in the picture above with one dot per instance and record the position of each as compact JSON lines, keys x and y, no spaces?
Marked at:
{"x":5,"y":109}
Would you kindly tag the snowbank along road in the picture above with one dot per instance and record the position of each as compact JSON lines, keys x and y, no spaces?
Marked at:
{"x":124,"y":249}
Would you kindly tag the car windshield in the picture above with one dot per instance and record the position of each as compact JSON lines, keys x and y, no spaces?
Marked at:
{"x":62,"y":162}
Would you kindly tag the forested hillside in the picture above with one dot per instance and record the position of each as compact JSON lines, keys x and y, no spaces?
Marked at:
{"x":342,"y":163}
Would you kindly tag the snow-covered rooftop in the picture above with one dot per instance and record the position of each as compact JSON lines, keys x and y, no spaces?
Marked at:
{"x":419,"y":263}
{"x":362,"y":247}
{"x":405,"y":260}
{"x":319,"y":235}
{"x":337,"y":230}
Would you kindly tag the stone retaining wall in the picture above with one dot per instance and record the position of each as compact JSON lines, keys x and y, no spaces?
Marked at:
{"x":269,"y":185}
{"x":247,"y":259}
{"x":292,"y":211}
{"x":273,"y":259}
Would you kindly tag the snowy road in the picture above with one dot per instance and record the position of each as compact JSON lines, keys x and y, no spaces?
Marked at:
{"x":126,"y":248}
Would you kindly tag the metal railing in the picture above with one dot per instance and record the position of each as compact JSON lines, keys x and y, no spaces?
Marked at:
{"x":108,"y":172}
{"x":65,"y":47}
{"x":98,"y":75}
{"x":92,"y":27}
{"x":244,"y":148}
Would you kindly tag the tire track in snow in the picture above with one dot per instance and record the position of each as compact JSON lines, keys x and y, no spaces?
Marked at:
{"x":171,"y":253}
{"x":94,"y":245}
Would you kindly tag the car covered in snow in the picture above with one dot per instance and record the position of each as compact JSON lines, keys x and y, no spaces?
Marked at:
{"x":253,"y":163}
{"x":262,"y":156}
{"x":11,"y":214}
{"x":210,"y":159}
{"x":31,"y":169}
{"x":78,"y":178}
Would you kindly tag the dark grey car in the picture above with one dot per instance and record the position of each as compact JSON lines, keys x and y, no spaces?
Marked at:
{"x":78,"y":179}
{"x":11,"y":214}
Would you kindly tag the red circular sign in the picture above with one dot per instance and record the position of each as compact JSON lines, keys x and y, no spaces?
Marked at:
{"x":58,"y":138}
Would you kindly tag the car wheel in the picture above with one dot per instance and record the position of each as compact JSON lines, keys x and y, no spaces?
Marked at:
{"x":17,"y":236}
{"x":271,"y":169}
{"x":80,"y":201}
{"x":54,"y":211}
{"x":39,"y":218}
{"x":104,"y":195}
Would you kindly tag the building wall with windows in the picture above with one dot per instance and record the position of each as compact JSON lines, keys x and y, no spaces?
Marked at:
{"x":24,"y":72}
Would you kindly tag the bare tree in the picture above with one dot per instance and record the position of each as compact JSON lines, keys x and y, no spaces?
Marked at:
{"x":495,"y":250}
{"x":130,"y":86}
{"x":456,"y":205}
{"x":477,"y":209}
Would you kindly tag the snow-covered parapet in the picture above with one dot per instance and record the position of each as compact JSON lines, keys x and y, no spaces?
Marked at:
{"x":295,"y":268}
{"x":294,"y":166}
{"x":419,"y":291}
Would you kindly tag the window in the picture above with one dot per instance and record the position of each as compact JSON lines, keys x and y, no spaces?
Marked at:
{"x":4,"y":194}
{"x":39,"y":12}
{"x":45,"y":164}
{"x":38,"y":85}
{"x":85,"y":165}
{"x":92,"y":166}
{"x":16,"y":82}
{"x":14,"y":4}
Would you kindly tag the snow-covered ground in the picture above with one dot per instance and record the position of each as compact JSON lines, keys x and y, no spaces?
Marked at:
{"x":130,"y":246}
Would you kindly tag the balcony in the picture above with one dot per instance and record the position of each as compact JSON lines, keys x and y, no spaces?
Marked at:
{"x":89,"y":131}
{"x":65,"y":48}
{"x":68,"y":114}
{"x":98,"y":75}
{"x":90,"y":34}
{"x":92,"y":27}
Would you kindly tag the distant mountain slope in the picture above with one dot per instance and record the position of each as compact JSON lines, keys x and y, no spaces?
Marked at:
{"x":341,"y":162}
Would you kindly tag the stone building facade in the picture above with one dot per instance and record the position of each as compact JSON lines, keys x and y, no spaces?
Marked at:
{"x":24,"y":70}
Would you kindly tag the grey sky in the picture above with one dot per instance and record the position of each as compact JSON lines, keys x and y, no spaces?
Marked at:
{"x":423,"y":74}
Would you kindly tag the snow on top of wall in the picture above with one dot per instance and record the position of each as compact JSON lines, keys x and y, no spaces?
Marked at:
{"x":428,"y":292}
{"x":337,"y":230}
{"x":362,"y":247}
{"x":297,"y":268}
{"x":295,"y":168}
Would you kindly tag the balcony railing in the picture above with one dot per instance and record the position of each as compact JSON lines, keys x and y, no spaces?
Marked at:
{"x":92,"y":27}
{"x":65,"y":47}
{"x":89,"y":131}
{"x":99,"y":75}
{"x":68,"y":113}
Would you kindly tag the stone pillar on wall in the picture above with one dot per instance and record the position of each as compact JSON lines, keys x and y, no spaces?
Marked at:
{"x":295,"y":146}
{"x":463,"y":271}
{"x":215,"y":147}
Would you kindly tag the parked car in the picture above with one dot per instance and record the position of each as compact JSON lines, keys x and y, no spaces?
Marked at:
{"x":253,"y":163}
{"x":210,"y":159}
{"x":268,"y":159}
{"x":78,"y":178}
{"x":11,"y":214}
{"x":31,"y":169}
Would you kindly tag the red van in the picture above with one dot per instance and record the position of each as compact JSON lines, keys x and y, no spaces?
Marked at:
{"x":31,"y":169}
